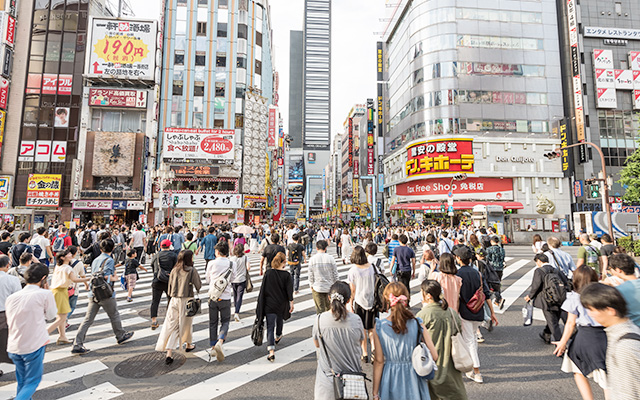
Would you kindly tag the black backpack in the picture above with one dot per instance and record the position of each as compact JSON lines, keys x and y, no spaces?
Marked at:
{"x":91,"y":254}
{"x":554,"y":289}
{"x":378,"y":288}
{"x":100,"y":287}
{"x":86,"y":240}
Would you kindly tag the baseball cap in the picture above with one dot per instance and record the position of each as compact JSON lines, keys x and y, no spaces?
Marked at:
{"x":463,"y":252}
{"x":165,"y":243}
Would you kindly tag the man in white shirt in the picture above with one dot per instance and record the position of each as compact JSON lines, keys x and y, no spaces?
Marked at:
{"x":445,"y":245}
{"x":138,"y":241}
{"x":27,"y":311}
{"x":293,"y":229}
{"x":44,"y":244}
{"x":323,"y":234}
{"x":323,"y":272}
{"x":8,"y":285}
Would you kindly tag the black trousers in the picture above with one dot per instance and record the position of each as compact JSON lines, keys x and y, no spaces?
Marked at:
{"x":553,"y":319}
{"x":157,"y":288}
{"x":405,"y":279}
{"x":338,"y":249}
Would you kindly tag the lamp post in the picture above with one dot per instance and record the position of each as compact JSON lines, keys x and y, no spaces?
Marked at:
{"x":606,"y":206}
{"x":163,"y":175}
{"x":456,"y":178}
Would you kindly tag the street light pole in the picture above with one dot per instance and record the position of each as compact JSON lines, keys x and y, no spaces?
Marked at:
{"x":458,"y":177}
{"x":605,"y":187}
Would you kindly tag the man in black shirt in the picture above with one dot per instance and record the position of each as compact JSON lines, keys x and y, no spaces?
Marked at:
{"x":270,"y":252}
{"x":5,"y":245}
{"x":295,"y":258}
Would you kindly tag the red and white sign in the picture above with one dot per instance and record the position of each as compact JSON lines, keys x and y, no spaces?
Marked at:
{"x":606,"y":98}
{"x":43,"y":151}
{"x":624,"y":78}
{"x":469,"y":189}
{"x":440,"y":156}
{"x":215,"y":146}
{"x":634,"y":60}
{"x":118,"y":98}
{"x":92,"y":205}
{"x":605,"y":78}
{"x":636,"y":79}
{"x":602,"y":58}
{"x":272,"y":128}
{"x":10,"y":31}
{"x":49,"y":84}
{"x":4,"y":93}
{"x":636,"y":99}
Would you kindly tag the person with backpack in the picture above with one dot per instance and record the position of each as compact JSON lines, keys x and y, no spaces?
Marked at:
{"x":584,"y":356}
{"x":362,"y":280}
{"x":560,"y":258}
{"x":406,"y":259}
{"x":219,"y":275}
{"x":161,"y":265}
{"x":41,"y":241}
{"x":495,"y":259}
{"x":590,"y":256}
{"x":61,"y":241}
{"x":295,"y":257}
{"x":103,"y":270}
{"x":548,"y":293}
{"x":323,"y":272}
{"x":270,"y":251}
{"x":608,"y":308}
{"x":88,"y":238}
{"x":190,"y":244}
{"x":131,"y":266}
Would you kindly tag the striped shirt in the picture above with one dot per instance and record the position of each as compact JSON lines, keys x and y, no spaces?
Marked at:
{"x":392,"y":246}
{"x":623,"y":361}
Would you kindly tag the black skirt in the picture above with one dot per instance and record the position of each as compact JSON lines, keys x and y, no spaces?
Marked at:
{"x":368,"y":317}
{"x":588,"y":349}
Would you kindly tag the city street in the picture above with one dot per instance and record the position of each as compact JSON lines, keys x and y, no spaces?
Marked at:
{"x":515,"y":363}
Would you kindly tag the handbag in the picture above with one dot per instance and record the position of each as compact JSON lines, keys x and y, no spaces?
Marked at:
{"x":193,"y":307}
{"x":249,"y":287}
{"x":459,"y":352}
{"x":257,"y":331}
{"x":527,"y":314}
{"x":347,"y":385}
{"x":476,"y":302}
{"x":421,"y":358}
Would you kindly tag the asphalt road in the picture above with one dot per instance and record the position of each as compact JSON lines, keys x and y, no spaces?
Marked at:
{"x":515,"y":363}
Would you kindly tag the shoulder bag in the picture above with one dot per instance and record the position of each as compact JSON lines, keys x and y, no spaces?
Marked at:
{"x":249,"y":285}
{"x":459,"y":352}
{"x":476,"y":302}
{"x":193,"y":305}
{"x":421,"y":358}
{"x":346,"y":385}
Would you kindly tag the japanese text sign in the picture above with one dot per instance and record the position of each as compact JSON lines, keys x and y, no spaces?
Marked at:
{"x":122,"y":49}
{"x":210,"y":201}
{"x":43,"y":190}
{"x":440,"y":156}
{"x":272,"y":127}
{"x":118,"y":98}
{"x":215,"y":146}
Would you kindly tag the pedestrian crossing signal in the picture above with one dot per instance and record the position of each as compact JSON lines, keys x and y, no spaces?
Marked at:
{"x":594,"y":191}
{"x":176,"y":200}
{"x":442,"y":209}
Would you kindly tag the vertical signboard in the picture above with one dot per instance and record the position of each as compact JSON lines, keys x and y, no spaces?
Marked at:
{"x":561,"y":129}
{"x":272,"y":128}
{"x":370,"y":152}
{"x":350,"y":142}
{"x":575,"y":67}
{"x":380,"y":63}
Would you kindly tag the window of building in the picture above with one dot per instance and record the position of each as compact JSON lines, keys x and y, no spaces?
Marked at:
{"x":202,"y":29}
{"x":223,"y":4}
{"x":218,"y":123}
{"x":242,"y":62}
{"x":239,"y":121}
{"x":201,"y":59}
{"x":258,"y":67}
{"x":203,"y":2}
{"x":178,"y":58}
{"x":222,"y":30}
{"x":176,"y":118}
{"x":219,"y":89}
{"x":240,"y":92}
{"x":242,"y":31}
{"x":198,"y":90}
{"x":258,"y":39}
{"x":221,"y":61}
{"x":113,"y":183}
{"x":118,"y":121}
{"x":177,"y":90}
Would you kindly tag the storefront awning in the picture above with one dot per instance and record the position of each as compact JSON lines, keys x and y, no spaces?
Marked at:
{"x":457,"y":205}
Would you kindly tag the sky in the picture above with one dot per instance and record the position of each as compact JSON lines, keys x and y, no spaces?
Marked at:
{"x":355,"y":26}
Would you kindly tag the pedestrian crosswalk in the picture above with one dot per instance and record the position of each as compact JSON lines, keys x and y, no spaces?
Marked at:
{"x":62,"y":368}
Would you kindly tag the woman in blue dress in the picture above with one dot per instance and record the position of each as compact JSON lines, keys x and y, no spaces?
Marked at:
{"x":395,"y":338}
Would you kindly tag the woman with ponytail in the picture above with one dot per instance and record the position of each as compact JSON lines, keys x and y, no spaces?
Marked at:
{"x":395,"y":338}
{"x":342,"y":333}
{"x":441,"y":322}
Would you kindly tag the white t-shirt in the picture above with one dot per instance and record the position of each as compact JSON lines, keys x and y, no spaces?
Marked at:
{"x":373,"y":261}
{"x":290,"y":234}
{"x":60,"y":277}
{"x":43,"y":242}
{"x":365,"y":282}
{"x":218,"y":267}
{"x":138,"y":238}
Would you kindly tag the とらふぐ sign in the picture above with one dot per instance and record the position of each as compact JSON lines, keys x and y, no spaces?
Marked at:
{"x":440,"y":156}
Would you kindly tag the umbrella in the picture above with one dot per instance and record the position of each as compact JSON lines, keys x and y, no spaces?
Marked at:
{"x":244,"y":229}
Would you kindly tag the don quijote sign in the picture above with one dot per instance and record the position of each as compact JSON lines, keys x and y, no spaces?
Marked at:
{"x":212,"y":146}
{"x":516,"y":159}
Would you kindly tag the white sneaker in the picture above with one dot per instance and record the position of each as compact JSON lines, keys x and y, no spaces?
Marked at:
{"x":212,"y":353}
{"x":236,"y":317}
{"x":475,"y":377}
{"x":479,"y":338}
{"x":219,"y":352}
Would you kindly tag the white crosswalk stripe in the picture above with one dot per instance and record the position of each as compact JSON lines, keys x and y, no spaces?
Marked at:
{"x":100,"y":336}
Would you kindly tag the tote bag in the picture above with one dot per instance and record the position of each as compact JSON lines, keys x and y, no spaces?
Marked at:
{"x":459,"y":351}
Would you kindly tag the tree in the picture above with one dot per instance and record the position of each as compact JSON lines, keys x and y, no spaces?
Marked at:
{"x":630,"y":178}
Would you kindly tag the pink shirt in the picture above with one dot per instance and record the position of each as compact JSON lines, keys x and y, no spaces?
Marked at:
{"x":27,"y":312}
{"x":451,"y":285}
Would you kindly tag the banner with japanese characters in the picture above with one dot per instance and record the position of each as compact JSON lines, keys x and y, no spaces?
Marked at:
{"x":43,"y":190}
{"x":440,"y":156}
{"x":211,"y":146}
{"x":122,"y":49}
{"x":205,"y":200}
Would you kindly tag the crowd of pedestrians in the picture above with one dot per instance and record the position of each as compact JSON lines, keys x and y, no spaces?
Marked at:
{"x":591,"y":306}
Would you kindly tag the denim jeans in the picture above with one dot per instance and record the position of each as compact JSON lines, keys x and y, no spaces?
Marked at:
{"x":73,"y":300}
{"x":238,"y":293}
{"x":29,"y":368}
{"x":223,"y":308}
{"x":274,"y":322}
{"x":111,"y":308}
{"x":309,"y":248}
{"x":295,"y":273}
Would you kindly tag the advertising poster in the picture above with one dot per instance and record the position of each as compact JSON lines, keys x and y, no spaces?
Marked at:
{"x":43,"y":190}
{"x":62,"y":117}
{"x":605,"y":78}
{"x":272,"y":128}
{"x":440,"y":156}
{"x":624,"y":78}
{"x":606,"y":98}
{"x":211,"y":146}
{"x":122,"y":49}
{"x":602,"y":58}
{"x":5,"y":187}
{"x":118,"y":98}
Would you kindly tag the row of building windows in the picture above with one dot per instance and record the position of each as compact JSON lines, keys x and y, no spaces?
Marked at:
{"x":453,"y":69}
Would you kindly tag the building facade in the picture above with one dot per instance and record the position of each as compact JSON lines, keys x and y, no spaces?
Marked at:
{"x":216,"y":123}
{"x":483,"y":77}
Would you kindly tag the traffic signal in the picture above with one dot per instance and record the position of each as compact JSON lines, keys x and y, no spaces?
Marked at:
{"x":594,"y":190}
{"x":553,"y":154}
{"x":442,"y":207}
{"x":176,"y":200}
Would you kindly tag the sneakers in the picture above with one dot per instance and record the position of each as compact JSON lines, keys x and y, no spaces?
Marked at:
{"x":219,"y":352}
{"x":79,"y":350}
{"x":125,"y":337}
{"x":475,"y":377}
{"x":236,"y":317}
{"x":212,"y":353}
{"x":479,"y":338}
{"x":501,"y":304}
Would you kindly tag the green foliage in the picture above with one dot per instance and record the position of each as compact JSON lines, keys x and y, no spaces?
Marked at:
{"x":630,"y":178}
{"x":630,"y":245}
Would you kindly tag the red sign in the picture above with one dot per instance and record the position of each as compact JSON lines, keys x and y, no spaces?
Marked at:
{"x":440,"y":156}
{"x":65,"y":82}
{"x":4,"y":93}
{"x":118,"y":98}
{"x":272,"y":127}
{"x":470,"y":188}
{"x":370,"y":161}
{"x":49,"y":84}
{"x":11,"y":30}
{"x":216,"y":145}
{"x":350,"y":143}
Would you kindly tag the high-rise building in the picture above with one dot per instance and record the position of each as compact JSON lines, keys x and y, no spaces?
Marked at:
{"x":296,"y":88}
{"x":218,"y":84}
{"x":600,"y":49}
{"x":472,"y":89}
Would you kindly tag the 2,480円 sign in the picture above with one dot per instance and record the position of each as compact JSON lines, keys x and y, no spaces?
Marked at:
{"x":440,"y":156}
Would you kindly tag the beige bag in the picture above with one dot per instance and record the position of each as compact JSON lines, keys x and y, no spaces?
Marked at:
{"x":459,"y":351}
